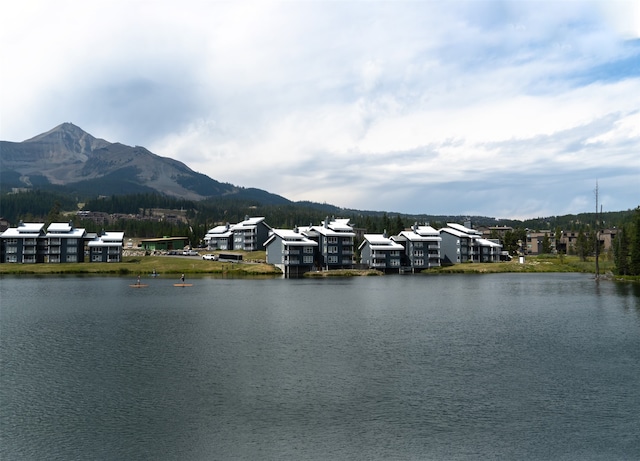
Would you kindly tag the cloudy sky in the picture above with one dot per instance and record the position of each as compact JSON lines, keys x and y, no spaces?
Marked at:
{"x":510,"y":109}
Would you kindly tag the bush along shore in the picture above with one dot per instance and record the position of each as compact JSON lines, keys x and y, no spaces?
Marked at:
{"x":255,"y":265}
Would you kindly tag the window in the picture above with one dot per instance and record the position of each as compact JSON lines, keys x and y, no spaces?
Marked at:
{"x":419,"y":253}
{"x":308,"y":250}
{"x":332,"y":239}
{"x":307,"y":259}
{"x":333,"y":249}
{"x":72,"y":250}
{"x":417,"y":245}
{"x":394,"y":262}
{"x":418,"y":262}
{"x":333,"y":260}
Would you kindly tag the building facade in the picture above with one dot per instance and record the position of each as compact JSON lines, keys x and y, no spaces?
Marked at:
{"x":248,"y":235}
{"x":421,"y":246}
{"x":335,"y":240}
{"x":106,"y":247}
{"x":377,"y":251}
{"x":290,"y":251}
{"x":31,"y":243}
{"x":461,"y":244}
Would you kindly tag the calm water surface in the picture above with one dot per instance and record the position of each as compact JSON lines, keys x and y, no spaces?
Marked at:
{"x":508,"y":366}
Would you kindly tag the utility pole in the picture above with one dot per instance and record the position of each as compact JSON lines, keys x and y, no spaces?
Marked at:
{"x":597,"y":230}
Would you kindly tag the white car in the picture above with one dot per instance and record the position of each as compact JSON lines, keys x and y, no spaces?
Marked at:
{"x":210,"y":257}
{"x":189,"y":253}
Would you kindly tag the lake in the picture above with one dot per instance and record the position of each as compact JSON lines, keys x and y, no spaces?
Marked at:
{"x":449,"y":367}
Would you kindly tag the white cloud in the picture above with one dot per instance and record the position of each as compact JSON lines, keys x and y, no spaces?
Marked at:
{"x":362,"y":104}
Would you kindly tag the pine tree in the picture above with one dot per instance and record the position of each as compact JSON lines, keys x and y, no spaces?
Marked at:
{"x":621,"y":252}
{"x":634,"y":252}
{"x":581,"y":246}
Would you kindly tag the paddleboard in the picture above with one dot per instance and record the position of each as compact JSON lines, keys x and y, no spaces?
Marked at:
{"x":183,"y":284}
{"x":138,"y":285}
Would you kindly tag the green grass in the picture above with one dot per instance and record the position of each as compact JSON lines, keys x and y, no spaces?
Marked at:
{"x":254,"y":265}
{"x":542,"y":263}
{"x":144,"y":265}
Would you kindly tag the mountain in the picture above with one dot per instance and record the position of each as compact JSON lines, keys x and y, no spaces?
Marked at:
{"x":69,"y":158}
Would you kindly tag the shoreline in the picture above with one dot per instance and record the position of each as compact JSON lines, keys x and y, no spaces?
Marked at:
{"x":163,"y":265}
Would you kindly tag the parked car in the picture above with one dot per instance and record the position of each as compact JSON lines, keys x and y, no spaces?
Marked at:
{"x":210,"y":257}
{"x":189,"y":253}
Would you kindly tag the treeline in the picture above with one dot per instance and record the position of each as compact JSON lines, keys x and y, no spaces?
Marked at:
{"x":47,"y":206}
{"x":627,"y":247}
{"x":33,"y":205}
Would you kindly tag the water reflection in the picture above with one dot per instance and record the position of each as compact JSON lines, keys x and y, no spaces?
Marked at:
{"x":511,"y":366}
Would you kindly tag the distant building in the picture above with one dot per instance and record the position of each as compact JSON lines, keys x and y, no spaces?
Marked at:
{"x":335,"y":240}
{"x":219,"y":238}
{"x":30,"y":243}
{"x":462,"y":244}
{"x":21,"y":244}
{"x":164,"y":243}
{"x":291,"y":251}
{"x":64,"y":243}
{"x":248,"y":235}
{"x":377,"y":251}
{"x":106,"y":247}
{"x":421,"y":246}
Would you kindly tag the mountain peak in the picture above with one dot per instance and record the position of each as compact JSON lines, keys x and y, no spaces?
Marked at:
{"x":65,"y":130}
{"x":68,"y":156}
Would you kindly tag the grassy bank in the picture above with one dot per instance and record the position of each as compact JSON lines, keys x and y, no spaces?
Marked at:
{"x":254,"y":265}
{"x":543,"y":263}
{"x":145,"y":265}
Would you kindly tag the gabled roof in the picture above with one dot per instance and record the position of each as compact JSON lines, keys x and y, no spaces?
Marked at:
{"x":290,"y":238}
{"x":335,"y":228}
{"x":67,"y":230}
{"x":248,"y":223}
{"x":251,"y":221}
{"x":464,"y":229}
{"x":107,"y":239}
{"x":419,"y":234}
{"x":457,"y":233}
{"x":488,"y":243}
{"x":24,"y":230}
{"x":380,"y":243}
{"x":59,"y":227}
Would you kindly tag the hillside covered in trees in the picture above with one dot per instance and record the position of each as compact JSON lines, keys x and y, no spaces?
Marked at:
{"x":136,"y":215}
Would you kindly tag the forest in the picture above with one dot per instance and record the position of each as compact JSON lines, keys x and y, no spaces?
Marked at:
{"x":130,"y":212}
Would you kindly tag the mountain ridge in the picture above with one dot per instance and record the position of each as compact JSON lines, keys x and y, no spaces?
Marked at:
{"x":70,"y":157}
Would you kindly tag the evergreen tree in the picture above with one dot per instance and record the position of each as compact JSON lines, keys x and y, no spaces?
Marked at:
{"x":621,"y":251}
{"x":582,"y":246}
{"x":634,"y":253}
{"x":546,"y":244}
